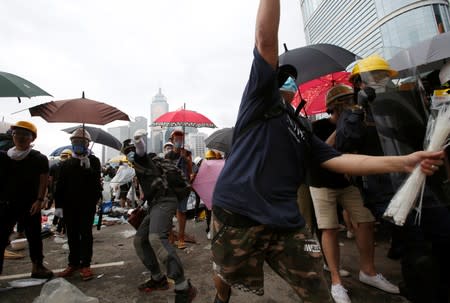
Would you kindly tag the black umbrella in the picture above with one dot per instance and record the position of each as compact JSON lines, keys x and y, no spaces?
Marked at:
{"x":316,"y":60}
{"x":98,"y":135}
{"x":220,"y":139}
{"x":426,"y":55}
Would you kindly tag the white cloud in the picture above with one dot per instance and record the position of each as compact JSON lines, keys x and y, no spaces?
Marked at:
{"x":198,"y":51}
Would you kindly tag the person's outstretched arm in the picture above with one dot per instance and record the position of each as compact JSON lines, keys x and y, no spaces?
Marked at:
{"x":266,"y":33}
{"x":361,"y":165}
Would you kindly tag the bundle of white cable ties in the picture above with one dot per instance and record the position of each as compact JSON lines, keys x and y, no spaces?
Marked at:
{"x":412,"y":190}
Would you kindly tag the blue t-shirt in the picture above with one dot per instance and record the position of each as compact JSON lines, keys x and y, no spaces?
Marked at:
{"x":266,"y":164}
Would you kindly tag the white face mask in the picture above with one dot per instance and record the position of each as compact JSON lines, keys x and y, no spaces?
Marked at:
{"x":378,"y":85}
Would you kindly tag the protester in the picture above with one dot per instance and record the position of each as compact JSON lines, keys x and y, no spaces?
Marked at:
{"x":77,"y":193}
{"x":23,"y":184}
{"x":122,"y":183}
{"x":422,"y":247}
{"x":256,"y":217}
{"x":55,"y":169}
{"x":329,"y":189}
{"x":183,"y":160}
{"x":152,"y":237}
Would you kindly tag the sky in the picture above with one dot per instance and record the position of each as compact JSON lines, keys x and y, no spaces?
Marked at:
{"x":199,"y":52}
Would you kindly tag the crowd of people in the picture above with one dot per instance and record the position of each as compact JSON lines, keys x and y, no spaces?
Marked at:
{"x":284,"y":191}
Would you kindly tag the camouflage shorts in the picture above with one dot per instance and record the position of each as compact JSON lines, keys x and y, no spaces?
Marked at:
{"x":239,"y":255}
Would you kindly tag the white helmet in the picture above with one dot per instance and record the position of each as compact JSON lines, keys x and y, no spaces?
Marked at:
{"x":81,"y":133}
{"x":444,"y":74}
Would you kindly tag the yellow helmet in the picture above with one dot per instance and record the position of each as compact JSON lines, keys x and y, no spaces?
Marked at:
{"x":26,"y":125}
{"x":337,"y":92}
{"x":210,"y":154}
{"x":371,"y":63}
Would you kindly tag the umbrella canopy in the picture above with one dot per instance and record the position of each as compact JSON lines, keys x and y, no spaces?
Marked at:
{"x":58,"y":151}
{"x":80,"y":110}
{"x":183,"y":117}
{"x":15,"y":86}
{"x":206,"y":179}
{"x":425,"y":55}
{"x":220,"y":139}
{"x":314,"y":92}
{"x":98,"y":135}
{"x":316,"y":60}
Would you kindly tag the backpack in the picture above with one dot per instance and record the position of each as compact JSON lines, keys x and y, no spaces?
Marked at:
{"x":158,"y":176}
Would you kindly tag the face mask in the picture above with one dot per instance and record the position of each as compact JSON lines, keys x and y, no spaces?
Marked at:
{"x":130,"y":156}
{"x":378,"y":84}
{"x":177,"y":144}
{"x":79,"y":149}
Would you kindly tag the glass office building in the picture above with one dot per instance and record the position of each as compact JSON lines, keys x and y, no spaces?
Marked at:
{"x":364,"y":25}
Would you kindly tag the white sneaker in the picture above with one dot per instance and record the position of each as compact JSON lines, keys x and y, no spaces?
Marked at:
{"x":350,"y":235}
{"x":208,"y":235}
{"x":342,"y":272}
{"x":379,"y":282}
{"x":339,"y":294}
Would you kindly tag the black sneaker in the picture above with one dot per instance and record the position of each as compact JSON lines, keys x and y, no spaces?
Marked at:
{"x":186,"y":295}
{"x":151,"y":285}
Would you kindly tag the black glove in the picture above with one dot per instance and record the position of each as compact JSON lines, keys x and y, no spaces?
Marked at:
{"x":366,"y":96}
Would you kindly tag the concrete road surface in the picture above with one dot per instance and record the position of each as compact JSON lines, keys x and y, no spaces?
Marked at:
{"x":119,"y":272}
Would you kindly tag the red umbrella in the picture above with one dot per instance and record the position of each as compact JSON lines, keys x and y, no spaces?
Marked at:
{"x":183,"y":117}
{"x":314,"y":92}
{"x":79,"y":110}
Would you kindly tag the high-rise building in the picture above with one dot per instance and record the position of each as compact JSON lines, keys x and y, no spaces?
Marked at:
{"x":364,"y":25}
{"x":158,"y":107}
{"x":196,"y":143}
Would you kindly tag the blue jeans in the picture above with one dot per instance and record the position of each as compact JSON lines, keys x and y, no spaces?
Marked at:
{"x":152,"y":241}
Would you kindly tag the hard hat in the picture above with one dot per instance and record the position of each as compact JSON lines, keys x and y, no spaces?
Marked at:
{"x":167,"y":144}
{"x":176,"y":132}
{"x":26,"y":125}
{"x":127,"y":145}
{"x":67,"y":152}
{"x":371,"y":63}
{"x":337,"y":92}
{"x":210,"y":154}
{"x":197,"y":160}
{"x":81,"y":133}
{"x":444,"y":74}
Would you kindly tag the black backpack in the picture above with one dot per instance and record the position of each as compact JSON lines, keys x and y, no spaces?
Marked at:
{"x":158,"y":177}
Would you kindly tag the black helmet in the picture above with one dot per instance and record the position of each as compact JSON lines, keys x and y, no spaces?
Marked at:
{"x":127,"y":146}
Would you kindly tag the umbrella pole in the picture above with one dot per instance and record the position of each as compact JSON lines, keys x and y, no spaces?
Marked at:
{"x":184,"y":126}
{"x":301,"y":105}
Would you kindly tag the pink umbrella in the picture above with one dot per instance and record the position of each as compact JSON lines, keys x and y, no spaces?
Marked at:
{"x":206,"y":179}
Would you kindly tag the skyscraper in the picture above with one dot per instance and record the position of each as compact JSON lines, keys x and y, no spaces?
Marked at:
{"x":363,"y":25}
{"x":158,"y":107}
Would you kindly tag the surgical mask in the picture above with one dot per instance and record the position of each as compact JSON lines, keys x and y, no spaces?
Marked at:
{"x":177,"y":144}
{"x":130,"y":156}
{"x":79,"y":149}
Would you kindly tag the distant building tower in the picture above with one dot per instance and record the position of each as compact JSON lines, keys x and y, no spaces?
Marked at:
{"x":196,"y":143}
{"x":158,"y":107}
{"x":364,"y":25}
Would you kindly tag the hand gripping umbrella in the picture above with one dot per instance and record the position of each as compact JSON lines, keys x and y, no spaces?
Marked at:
{"x":15,"y":86}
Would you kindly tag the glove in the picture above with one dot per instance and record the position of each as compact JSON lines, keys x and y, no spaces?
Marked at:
{"x":139,"y":134}
{"x":58,"y":212}
{"x":366,"y":96}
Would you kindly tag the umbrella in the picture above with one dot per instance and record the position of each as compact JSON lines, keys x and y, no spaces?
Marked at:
{"x":58,"y":151}
{"x":426,"y":55}
{"x":314,"y":92}
{"x":80,"y":110}
{"x":220,"y":139}
{"x":98,"y":135}
{"x":205,"y":181}
{"x":316,"y":60}
{"x":183,"y":117}
{"x":15,"y":86}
